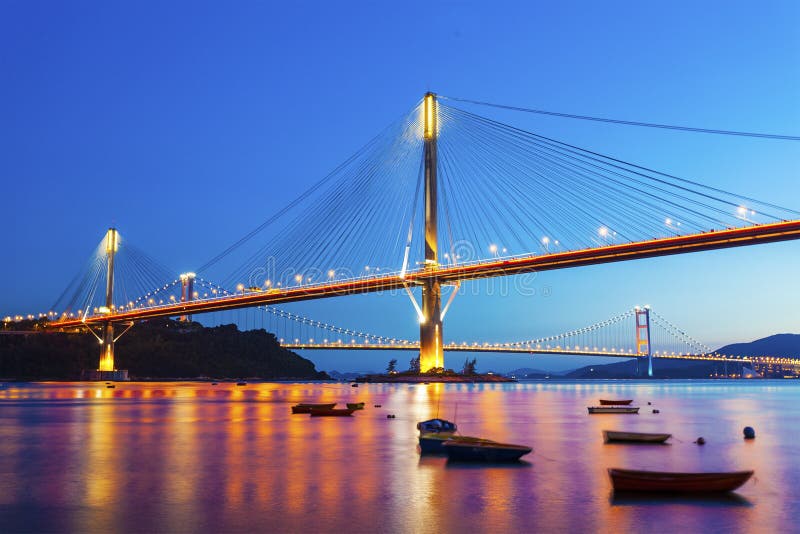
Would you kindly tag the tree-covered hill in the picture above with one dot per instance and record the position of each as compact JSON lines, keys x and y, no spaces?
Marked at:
{"x":159,"y":348}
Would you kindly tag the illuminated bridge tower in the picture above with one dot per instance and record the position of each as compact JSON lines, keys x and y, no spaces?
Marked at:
{"x":431,"y":353}
{"x":106,"y":370}
{"x":643,"y":336}
{"x":187,"y":292}
{"x":107,"y":353}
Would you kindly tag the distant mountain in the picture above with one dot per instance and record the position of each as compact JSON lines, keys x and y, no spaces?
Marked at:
{"x":527,"y":372}
{"x":661,"y":369}
{"x":779,"y":345}
{"x":336,"y":375}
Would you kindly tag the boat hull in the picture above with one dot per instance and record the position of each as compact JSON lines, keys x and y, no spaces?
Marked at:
{"x":484,"y":451}
{"x":433,"y":442}
{"x":606,"y":402}
{"x":306,"y":408}
{"x":331,"y":412}
{"x":613,"y":436}
{"x":613,"y":409}
{"x":656,"y":481}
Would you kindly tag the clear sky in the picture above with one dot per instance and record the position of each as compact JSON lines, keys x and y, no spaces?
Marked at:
{"x":185,"y":124}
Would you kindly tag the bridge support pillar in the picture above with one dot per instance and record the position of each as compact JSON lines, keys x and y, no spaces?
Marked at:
{"x":431,"y":352}
{"x":107,"y":353}
{"x":643,"y":336}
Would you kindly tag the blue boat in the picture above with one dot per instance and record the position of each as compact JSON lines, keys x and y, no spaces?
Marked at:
{"x":436,"y":426}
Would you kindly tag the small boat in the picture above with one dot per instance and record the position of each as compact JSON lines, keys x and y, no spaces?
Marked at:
{"x":606,"y":402}
{"x":241,"y":383}
{"x":630,"y":480}
{"x":634,"y":437}
{"x":613,"y":409}
{"x":331,"y":412}
{"x":433,"y":442}
{"x":436,"y":425}
{"x":355,"y":405}
{"x":483,"y":451}
{"x":111,"y":386}
{"x":305,"y":407}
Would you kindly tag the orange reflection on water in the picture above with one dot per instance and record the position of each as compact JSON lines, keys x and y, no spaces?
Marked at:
{"x":197,"y":457}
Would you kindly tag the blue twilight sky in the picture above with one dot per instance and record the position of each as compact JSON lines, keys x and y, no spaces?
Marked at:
{"x":186,"y":124}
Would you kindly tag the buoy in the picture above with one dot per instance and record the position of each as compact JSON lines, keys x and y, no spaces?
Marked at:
{"x":700,"y":441}
{"x":656,"y":411}
{"x":649,"y":403}
{"x":377,"y":405}
{"x":749,"y":433}
{"x":390,"y":416}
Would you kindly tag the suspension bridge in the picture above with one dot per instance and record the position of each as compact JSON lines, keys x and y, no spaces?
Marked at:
{"x":442,"y":196}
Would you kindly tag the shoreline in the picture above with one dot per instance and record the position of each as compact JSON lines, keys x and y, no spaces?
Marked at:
{"x":421,"y":379}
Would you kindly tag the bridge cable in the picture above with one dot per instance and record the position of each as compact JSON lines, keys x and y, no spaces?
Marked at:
{"x":629,"y":123}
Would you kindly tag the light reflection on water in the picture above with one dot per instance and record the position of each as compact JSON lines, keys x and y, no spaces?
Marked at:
{"x":172,"y":457}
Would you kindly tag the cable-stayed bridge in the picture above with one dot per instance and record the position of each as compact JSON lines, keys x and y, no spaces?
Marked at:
{"x":441,"y":197}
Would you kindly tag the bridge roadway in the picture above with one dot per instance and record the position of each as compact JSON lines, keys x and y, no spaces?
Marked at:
{"x":712,"y":240}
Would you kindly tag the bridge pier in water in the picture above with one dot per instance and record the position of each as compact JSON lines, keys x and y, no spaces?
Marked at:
{"x":431,"y":346}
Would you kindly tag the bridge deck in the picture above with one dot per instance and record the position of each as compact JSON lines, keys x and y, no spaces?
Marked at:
{"x":750,"y":235}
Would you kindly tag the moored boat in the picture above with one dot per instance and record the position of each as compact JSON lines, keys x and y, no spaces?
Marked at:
{"x":305,"y":407}
{"x":610,"y":436}
{"x":613,"y":409}
{"x":658,"y":481}
{"x":436,"y":425}
{"x":484,"y":451}
{"x":607,"y":402}
{"x":355,"y":405}
{"x":433,"y":442}
{"x":331,"y":412}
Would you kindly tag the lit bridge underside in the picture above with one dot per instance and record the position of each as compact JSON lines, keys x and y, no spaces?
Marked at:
{"x":712,"y":240}
{"x":455,"y":347}
{"x":500,"y":349}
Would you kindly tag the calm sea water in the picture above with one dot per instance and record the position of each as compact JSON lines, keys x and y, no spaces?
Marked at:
{"x":191,"y":457}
